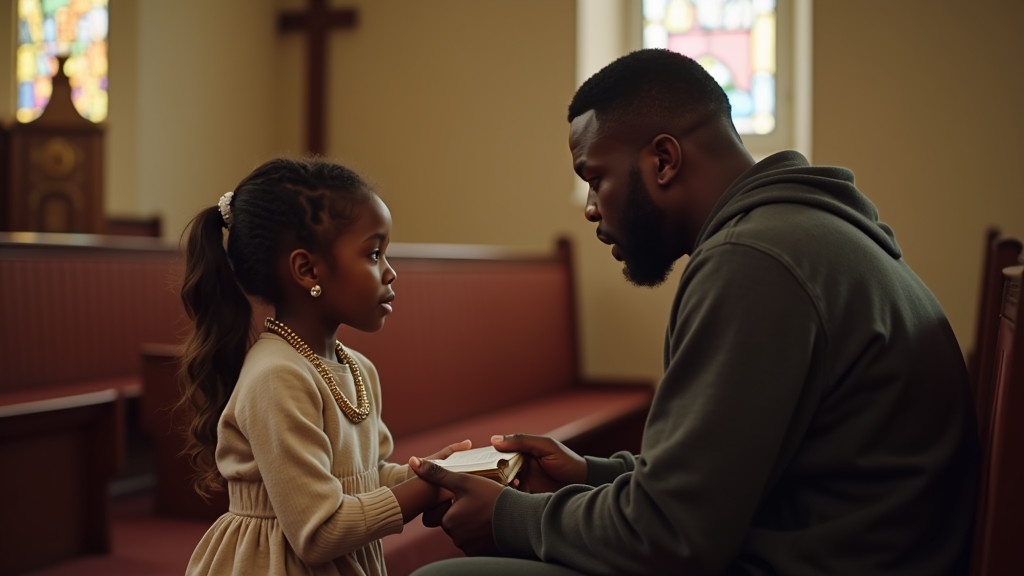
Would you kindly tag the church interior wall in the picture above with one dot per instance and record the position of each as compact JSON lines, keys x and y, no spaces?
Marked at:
{"x":455,"y":111}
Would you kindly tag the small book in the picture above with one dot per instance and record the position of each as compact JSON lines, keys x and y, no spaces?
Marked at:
{"x":486,"y":461}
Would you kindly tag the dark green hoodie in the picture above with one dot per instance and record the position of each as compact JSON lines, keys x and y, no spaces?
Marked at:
{"x":814,"y":416}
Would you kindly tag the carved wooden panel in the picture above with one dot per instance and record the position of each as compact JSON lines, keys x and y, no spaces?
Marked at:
{"x":54,"y":170}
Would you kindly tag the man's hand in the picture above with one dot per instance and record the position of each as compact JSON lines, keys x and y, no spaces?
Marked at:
{"x":416,"y":496}
{"x":467,"y":520}
{"x":549,"y":464}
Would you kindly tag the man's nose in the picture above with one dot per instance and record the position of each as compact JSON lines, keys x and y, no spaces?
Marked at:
{"x":591,"y":212}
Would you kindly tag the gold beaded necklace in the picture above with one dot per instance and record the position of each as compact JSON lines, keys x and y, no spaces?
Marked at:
{"x":354,"y":413}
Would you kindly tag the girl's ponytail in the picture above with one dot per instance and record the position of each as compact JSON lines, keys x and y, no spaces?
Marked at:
{"x":222,"y":319}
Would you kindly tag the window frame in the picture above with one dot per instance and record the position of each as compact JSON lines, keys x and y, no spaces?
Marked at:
{"x":612,"y":28}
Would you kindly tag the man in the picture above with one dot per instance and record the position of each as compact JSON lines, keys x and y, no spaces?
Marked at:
{"x":814,"y":415}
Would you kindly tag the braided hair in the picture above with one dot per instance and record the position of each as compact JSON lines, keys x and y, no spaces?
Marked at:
{"x":282,"y":205}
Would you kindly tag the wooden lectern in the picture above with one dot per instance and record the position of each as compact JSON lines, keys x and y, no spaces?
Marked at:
{"x":54,"y":169}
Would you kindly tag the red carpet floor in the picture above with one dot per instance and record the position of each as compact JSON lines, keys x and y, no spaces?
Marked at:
{"x":144,"y":545}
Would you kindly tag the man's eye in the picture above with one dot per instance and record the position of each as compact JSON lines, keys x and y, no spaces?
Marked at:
{"x":375,"y":255}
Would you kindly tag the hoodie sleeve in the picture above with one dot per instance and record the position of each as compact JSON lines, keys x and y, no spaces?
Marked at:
{"x":741,"y":344}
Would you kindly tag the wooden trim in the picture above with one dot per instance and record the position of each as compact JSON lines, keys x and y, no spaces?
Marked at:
{"x":403,"y":250}
{"x":60,"y":241}
{"x":62,"y":403}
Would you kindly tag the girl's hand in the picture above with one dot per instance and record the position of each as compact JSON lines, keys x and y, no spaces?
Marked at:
{"x":467,"y":518}
{"x":415,"y":495}
{"x":443,"y":495}
{"x":450,"y":449}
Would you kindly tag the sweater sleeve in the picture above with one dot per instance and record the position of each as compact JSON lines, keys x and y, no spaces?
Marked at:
{"x":391,"y":473}
{"x":282,"y":417}
{"x":605,"y":470}
{"x":740,"y":350}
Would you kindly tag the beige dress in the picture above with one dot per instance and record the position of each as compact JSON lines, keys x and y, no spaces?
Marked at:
{"x":308,"y":488}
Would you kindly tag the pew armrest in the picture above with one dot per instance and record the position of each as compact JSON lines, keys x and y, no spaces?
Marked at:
{"x":59,"y":456}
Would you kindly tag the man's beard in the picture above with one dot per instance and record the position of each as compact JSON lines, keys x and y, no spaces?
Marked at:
{"x":642,"y":225}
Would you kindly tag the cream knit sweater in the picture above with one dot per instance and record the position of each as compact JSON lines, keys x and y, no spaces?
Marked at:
{"x":308,"y":488}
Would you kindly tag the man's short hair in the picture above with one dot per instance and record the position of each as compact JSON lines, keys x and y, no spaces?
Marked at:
{"x":653,"y":83}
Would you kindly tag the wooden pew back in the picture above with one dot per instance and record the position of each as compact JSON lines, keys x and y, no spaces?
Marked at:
{"x":58,"y":456}
{"x":77,"y":308}
{"x":1000,"y":514}
{"x":474,"y":329}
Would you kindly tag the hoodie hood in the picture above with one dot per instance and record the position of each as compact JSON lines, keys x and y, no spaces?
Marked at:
{"x":787,"y":177}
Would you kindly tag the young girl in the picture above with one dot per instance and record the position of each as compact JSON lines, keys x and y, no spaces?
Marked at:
{"x":291,"y":421}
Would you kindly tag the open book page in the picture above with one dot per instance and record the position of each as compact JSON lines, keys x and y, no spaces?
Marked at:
{"x":485,"y":461}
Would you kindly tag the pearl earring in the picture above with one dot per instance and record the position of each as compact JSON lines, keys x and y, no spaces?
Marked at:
{"x":315,"y":291}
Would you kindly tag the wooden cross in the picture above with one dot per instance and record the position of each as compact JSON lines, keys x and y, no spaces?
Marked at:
{"x":317,"y":22}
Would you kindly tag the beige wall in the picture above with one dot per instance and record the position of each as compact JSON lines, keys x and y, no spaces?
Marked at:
{"x":455,"y":111}
{"x":922,"y":99}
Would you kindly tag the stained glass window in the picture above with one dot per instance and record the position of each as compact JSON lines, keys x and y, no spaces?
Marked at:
{"x":73,"y":28}
{"x":735,"y":40}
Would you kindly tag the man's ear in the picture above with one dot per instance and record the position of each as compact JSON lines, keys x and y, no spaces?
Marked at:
{"x":668,"y":155}
{"x":302,"y":266}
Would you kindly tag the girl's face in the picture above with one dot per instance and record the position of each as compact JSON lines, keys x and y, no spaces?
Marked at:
{"x":357,"y":283}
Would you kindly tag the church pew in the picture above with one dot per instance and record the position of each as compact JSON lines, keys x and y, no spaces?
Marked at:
{"x":483,"y":340}
{"x":58,"y":457}
{"x":77,"y":308}
{"x":166,"y":428}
